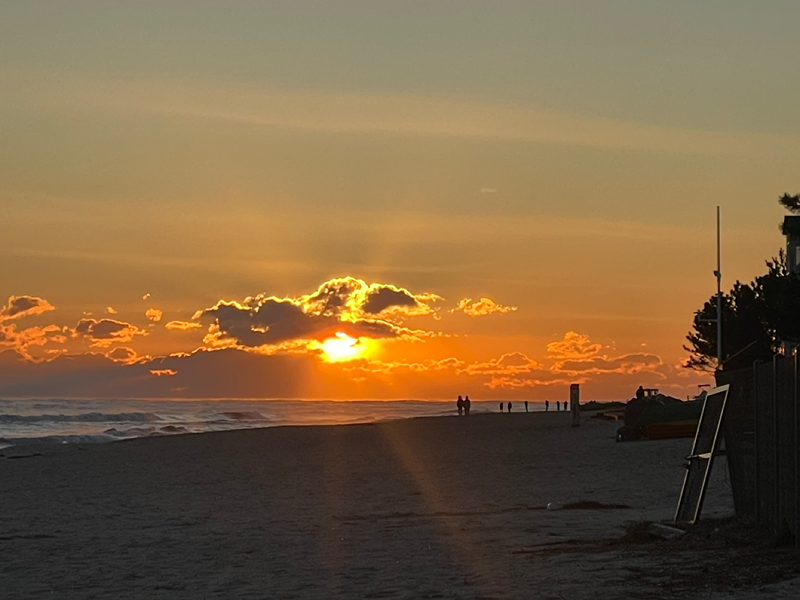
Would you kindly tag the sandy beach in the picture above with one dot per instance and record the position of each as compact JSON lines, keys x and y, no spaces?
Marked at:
{"x":417,"y":508}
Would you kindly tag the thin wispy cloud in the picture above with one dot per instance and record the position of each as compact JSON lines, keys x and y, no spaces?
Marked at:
{"x":395,"y":114}
{"x":443,"y":117}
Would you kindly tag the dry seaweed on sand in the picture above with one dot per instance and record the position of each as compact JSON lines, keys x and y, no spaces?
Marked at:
{"x":715,"y":554}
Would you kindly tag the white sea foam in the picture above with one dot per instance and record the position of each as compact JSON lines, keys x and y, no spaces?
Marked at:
{"x":93,"y":417}
{"x":63,"y":421}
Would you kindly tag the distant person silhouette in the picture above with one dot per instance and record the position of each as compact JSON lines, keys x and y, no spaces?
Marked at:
{"x":546,"y":405}
{"x":558,"y":405}
{"x":565,"y":405}
{"x":460,"y":405}
{"x":526,"y":406}
{"x":509,"y":407}
{"x":640,"y":393}
{"x":466,"y":406}
{"x":501,"y":407}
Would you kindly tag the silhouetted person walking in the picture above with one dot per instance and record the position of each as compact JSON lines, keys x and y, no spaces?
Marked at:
{"x":509,"y":407}
{"x":546,"y":405}
{"x":466,"y":406}
{"x":460,"y":405}
{"x":501,"y":407}
{"x":526,"y":406}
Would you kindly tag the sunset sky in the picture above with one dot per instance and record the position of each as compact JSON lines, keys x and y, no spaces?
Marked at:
{"x":382,"y":199}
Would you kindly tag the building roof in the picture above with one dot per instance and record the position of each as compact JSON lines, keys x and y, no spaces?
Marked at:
{"x":791,"y":226}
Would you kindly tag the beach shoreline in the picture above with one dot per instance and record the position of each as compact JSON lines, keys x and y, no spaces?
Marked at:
{"x":57,"y":421}
{"x":410,"y":508}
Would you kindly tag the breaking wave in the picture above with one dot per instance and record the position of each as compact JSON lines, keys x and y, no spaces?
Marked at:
{"x":93,"y":417}
{"x":73,"y":422}
{"x":62,"y":421}
{"x":244,"y":416}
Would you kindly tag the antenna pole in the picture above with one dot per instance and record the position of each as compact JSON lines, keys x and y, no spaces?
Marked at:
{"x":718,"y":274}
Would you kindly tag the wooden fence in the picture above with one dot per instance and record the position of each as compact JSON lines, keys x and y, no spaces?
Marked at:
{"x":761,"y":431}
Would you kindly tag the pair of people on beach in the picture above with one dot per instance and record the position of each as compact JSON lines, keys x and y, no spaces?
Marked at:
{"x":463,"y":406}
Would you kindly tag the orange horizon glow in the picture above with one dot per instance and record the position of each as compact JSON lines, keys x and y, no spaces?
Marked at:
{"x":351,"y":354}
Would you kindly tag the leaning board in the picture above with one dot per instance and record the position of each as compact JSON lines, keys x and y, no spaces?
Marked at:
{"x":702,"y":456}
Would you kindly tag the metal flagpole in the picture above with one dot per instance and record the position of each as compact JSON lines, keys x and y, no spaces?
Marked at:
{"x":718,"y":274}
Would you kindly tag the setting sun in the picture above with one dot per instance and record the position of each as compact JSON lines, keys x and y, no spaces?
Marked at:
{"x":341,"y":348}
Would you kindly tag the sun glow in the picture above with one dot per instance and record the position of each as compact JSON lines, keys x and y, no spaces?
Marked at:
{"x":341,"y":348}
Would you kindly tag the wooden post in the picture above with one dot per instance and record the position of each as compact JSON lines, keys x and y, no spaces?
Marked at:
{"x":796,"y":457}
{"x":756,"y":441}
{"x":776,"y":455}
{"x":575,"y":403}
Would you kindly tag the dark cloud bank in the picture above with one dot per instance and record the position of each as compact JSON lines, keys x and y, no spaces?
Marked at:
{"x":219,"y":374}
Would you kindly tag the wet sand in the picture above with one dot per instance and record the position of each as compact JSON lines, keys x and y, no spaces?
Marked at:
{"x":419,"y":508}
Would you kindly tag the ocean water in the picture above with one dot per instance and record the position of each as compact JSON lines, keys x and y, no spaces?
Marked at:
{"x":63,"y":421}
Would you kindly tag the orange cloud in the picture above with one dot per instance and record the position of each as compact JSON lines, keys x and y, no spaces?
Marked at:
{"x":110,"y":310}
{"x":123,"y":354}
{"x":337,"y":306}
{"x":352,"y":299}
{"x":394,"y":367}
{"x":627,"y":364}
{"x":508,"y":364}
{"x":481,"y":308}
{"x":154,"y":314}
{"x":574,"y":346}
{"x":343,"y":305}
{"x":163,"y":372}
{"x":24,"y":306}
{"x":105,"y":332}
{"x":389,"y":300}
{"x":25,"y":340}
{"x":532,"y":382}
{"x":182,"y":325}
